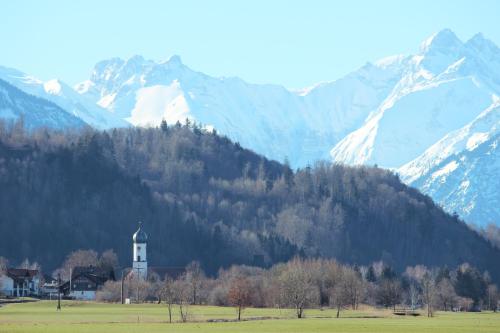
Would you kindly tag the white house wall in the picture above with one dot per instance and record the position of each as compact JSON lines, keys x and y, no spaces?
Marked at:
{"x":86,"y":295}
{"x":6,"y":285}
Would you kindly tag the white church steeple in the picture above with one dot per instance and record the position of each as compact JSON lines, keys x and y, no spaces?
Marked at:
{"x":140,"y":263}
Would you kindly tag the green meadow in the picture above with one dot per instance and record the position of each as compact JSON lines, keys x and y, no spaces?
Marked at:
{"x":93,"y":317}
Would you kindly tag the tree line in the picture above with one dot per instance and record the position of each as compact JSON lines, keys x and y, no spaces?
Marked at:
{"x":303,"y":284}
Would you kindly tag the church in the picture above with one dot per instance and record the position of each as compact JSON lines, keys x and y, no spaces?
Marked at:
{"x":86,"y":281}
{"x":140,"y":262}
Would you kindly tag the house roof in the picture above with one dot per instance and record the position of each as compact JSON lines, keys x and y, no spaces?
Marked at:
{"x":92,"y":271}
{"x":21,"y":273}
{"x":49,"y":279}
{"x":97,"y":275}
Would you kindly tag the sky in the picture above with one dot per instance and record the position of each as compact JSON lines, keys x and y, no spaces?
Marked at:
{"x":292,"y":43}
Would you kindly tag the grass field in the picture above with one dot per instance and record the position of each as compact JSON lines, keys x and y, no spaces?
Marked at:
{"x":110,"y":318}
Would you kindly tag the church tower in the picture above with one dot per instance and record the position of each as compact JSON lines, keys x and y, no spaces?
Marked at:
{"x":140,"y":263}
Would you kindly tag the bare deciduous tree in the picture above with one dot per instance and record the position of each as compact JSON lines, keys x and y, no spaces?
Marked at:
{"x":78,"y":258}
{"x":168,"y":294}
{"x":183,"y":297}
{"x":138,"y":288}
{"x":446,"y":294}
{"x":389,"y":293}
{"x":109,"y":292}
{"x":108,"y":260}
{"x":194,"y":277}
{"x":465,"y":303}
{"x":429,"y":292}
{"x":339,"y":292}
{"x":353,"y":285}
{"x":493,"y":297}
{"x":297,"y":287}
{"x":239,"y":294}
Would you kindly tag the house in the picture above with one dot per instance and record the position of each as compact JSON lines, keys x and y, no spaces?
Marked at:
{"x":6,"y":285}
{"x":49,"y":287}
{"x":19,"y":282}
{"x":85,"y":281}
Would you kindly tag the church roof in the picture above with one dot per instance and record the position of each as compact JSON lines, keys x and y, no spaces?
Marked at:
{"x":140,"y":236}
{"x":172,"y":272}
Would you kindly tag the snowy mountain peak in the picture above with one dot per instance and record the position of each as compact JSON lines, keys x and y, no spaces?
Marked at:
{"x":174,"y":61}
{"x":440,"y":90}
{"x":481,"y":44}
{"x":135,"y":59}
{"x":106,"y":67}
{"x":443,"y":41}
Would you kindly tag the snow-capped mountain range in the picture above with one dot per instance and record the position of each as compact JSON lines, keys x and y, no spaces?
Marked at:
{"x":65,"y":97}
{"x":442,"y":88}
{"x":270,"y":119}
{"x":411,"y":113}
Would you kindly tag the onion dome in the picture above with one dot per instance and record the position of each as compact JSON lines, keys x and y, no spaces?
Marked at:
{"x":140,"y":236}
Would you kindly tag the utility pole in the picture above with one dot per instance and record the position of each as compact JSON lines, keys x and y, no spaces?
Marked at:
{"x":59,"y":292}
{"x":121,"y":290}
{"x":70,"y":276}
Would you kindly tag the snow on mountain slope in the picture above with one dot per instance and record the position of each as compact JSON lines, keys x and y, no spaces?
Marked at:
{"x":444,"y":87}
{"x":481,"y":129}
{"x":467,"y":182}
{"x":266,"y":118}
{"x":35,"y":112}
{"x":461,"y":171}
{"x":64,"y":96}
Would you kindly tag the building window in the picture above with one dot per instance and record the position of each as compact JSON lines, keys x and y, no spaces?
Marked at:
{"x":138,"y":258}
{"x":138,"y":248}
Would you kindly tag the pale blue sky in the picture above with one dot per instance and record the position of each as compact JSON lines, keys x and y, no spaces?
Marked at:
{"x":293,"y":43}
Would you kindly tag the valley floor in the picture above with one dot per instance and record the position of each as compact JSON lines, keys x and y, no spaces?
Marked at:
{"x":110,"y":318}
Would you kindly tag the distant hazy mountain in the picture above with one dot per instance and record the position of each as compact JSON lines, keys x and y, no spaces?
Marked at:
{"x":35,"y":112}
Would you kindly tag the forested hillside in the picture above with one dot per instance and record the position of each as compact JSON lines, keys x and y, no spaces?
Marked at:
{"x":204,"y":197}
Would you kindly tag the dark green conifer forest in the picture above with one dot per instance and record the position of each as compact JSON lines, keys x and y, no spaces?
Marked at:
{"x":203,"y":197}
